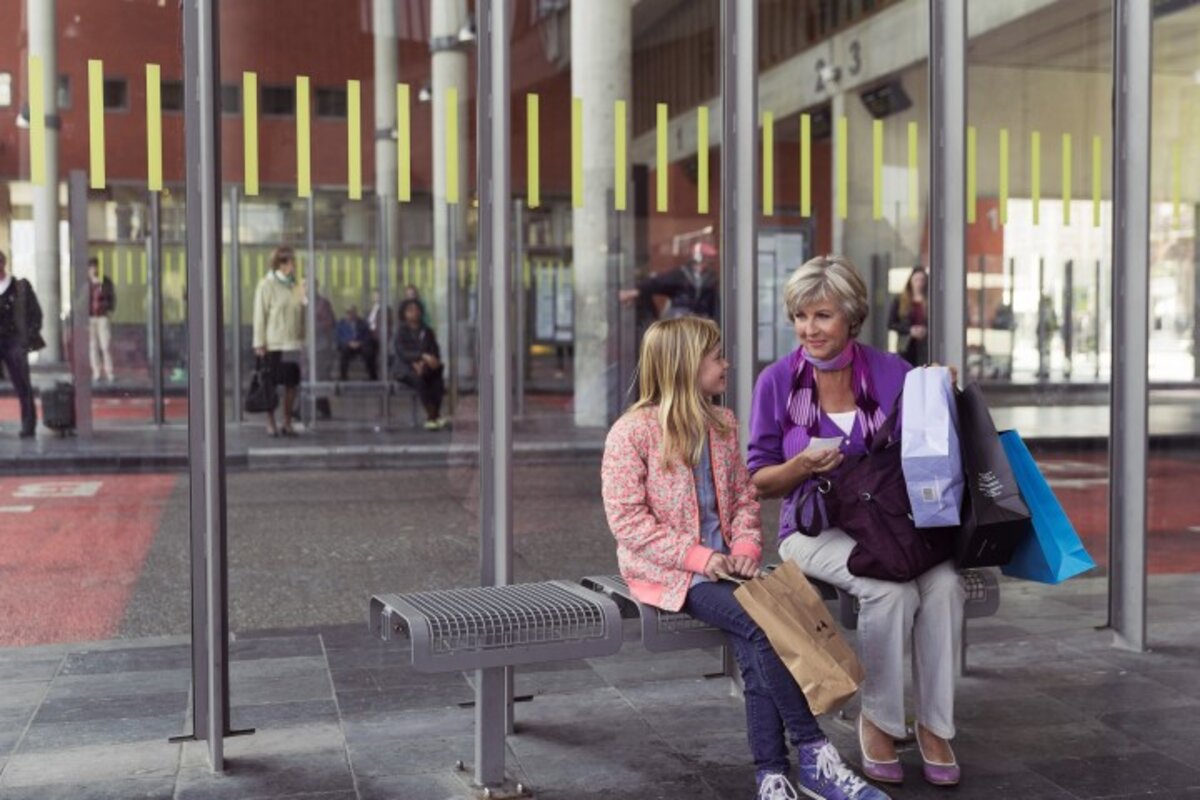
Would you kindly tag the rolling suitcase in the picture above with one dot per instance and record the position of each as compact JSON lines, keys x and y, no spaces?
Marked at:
{"x":58,"y":408}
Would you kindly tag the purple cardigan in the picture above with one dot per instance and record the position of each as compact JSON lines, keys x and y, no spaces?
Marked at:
{"x":774,"y":438}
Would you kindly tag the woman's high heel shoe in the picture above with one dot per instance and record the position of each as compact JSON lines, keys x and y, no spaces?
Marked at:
{"x":936,"y":772}
{"x":878,"y":771}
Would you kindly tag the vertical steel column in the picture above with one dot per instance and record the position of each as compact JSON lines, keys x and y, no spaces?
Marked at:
{"x":235,"y":296}
{"x":385,"y":304}
{"x":493,"y":707}
{"x":1132,"y":36}
{"x":452,"y":298}
{"x":310,"y":315}
{"x":1043,"y":346}
{"x":521,"y":345}
{"x":154,"y":271}
{"x":1099,"y":327}
{"x":948,"y":158}
{"x":77,"y":199}
{"x":1068,"y":314}
{"x":206,"y":424}
{"x":739,"y":213}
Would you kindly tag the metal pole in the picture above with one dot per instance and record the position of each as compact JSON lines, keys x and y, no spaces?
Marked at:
{"x":493,"y":698}
{"x":452,"y":297}
{"x":1132,"y":37}
{"x":206,"y":424}
{"x":1096,"y":313}
{"x":947,"y":143}
{"x":1043,"y":346}
{"x":310,"y":314}
{"x":385,"y":305}
{"x":739,"y":209}
{"x":77,"y":199}
{"x":521,"y":345}
{"x":43,"y":42}
{"x":1068,"y":322}
{"x":154,"y":259}
{"x":235,"y":296}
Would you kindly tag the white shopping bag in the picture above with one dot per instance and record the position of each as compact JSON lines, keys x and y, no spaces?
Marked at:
{"x":929,"y":448}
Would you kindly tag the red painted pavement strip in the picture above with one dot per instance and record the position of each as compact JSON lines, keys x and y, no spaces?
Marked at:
{"x":124,"y":409}
{"x":69,"y":567}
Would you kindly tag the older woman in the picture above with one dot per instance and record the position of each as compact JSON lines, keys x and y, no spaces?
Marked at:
{"x":833,"y":387}
{"x":278,"y":330}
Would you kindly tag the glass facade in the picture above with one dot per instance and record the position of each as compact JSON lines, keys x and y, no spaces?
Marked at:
{"x":348,"y":135}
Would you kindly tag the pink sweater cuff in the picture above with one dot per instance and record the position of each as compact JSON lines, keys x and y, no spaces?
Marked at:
{"x":746,"y":549}
{"x":697,"y":557}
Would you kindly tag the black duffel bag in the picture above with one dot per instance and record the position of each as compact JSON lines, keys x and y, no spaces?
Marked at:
{"x":866,"y":497}
{"x":261,"y":397}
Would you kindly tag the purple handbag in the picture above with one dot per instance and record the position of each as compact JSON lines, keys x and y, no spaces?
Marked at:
{"x":868,"y":499}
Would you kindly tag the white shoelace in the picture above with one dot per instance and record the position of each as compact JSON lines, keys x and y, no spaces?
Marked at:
{"x":776,"y":787}
{"x":831,"y":766}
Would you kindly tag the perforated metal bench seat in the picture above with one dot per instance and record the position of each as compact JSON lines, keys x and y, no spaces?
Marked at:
{"x":662,"y":631}
{"x":457,"y":630}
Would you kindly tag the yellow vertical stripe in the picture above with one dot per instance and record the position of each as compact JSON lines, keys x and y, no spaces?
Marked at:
{"x":532,"y":150}
{"x":1035,"y":174}
{"x":843,"y":202}
{"x":354,"y":138}
{"x":1176,"y":181}
{"x":250,"y":132}
{"x":403,"y":145}
{"x":702,"y":160}
{"x":452,"y":145}
{"x":877,"y":169}
{"x":620,"y":156}
{"x":972,"y":191}
{"x":660,"y":167}
{"x":1096,"y":164}
{"x":303,"y":139}
{"x":37,"y":122}
{"x":143,"y":259}
{"x":806,"y":165}
{"x":96,"y":121}
{"x":768,"y":164}
{"x":1004,"y":176}
{"x":153,"y":127}
{"x":129,"y":266}
{"x":1066,"y":178}
{"x":914,"y":174}
{"x":577,"y":152}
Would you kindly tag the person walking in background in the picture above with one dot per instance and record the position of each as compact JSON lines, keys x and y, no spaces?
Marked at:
{"x":690,"y":288}
{"x":909,"y":317}
{"x":833,"y":387}
{"x":354,"y":340}
{"x":681,"y":506}
{"x":20,"y":334}
{"x":279,"y":332}
{"x":102,"y":301}
{"x":419,"y":362}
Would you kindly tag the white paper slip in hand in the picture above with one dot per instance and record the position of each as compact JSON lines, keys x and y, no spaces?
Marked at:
{"x":818,"y":443}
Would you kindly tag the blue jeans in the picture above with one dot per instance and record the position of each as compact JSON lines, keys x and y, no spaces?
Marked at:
{"x":773,"y":698}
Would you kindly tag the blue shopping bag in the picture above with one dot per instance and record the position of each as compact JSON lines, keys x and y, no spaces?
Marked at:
{"x":929,"y":451}
{"x":1052,"y":552}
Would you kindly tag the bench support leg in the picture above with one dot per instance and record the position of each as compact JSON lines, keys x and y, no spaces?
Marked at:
{"x":491,"y":726}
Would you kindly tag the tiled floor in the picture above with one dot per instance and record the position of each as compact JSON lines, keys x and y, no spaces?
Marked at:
{"x":1047,"y":710}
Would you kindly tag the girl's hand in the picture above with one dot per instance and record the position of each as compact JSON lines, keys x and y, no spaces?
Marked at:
{"x":745,"y":566}
{"x":718,"y":562}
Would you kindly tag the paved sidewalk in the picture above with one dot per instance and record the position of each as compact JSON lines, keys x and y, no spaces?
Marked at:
{"x":1048,"y":710}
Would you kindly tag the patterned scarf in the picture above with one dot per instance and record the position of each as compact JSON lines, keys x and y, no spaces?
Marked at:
{"x":804,"y":406}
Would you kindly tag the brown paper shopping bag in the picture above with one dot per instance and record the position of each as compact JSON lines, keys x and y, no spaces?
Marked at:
{"x":792,"y":614}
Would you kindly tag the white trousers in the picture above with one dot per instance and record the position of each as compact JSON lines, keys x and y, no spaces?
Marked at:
{"x":100,"y":330}
{"x":928,"y":611}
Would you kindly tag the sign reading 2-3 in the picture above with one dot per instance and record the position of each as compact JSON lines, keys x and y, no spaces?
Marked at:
{"x":830,"y":73}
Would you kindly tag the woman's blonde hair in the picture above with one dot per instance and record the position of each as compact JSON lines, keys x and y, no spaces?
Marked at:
{"x":668,"y":373}
{"x":833,"y":278}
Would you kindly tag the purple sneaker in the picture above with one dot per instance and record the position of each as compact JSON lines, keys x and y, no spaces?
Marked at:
{"x":824,"y":776}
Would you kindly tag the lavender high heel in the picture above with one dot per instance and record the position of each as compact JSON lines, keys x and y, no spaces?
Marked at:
{"x":878,"y":771}
{"x":937,"y":772}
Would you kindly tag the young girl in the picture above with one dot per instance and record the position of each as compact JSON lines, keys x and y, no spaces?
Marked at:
{"x":681,"y":506}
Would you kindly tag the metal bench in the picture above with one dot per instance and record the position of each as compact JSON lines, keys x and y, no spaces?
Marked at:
{"x":662,"y":631}
{"x":459,"y":630}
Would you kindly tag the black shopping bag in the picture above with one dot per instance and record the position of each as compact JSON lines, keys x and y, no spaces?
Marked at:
{"x":261,"y":396}
{"x":994,"y":518}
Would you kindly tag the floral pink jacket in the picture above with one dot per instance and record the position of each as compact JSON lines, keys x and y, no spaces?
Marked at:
{"x":653,"y":511}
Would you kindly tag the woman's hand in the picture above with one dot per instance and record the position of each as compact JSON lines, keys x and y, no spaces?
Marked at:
{"x":815,"y":462}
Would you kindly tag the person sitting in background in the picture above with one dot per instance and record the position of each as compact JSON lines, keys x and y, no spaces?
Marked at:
{"x":909,"y":317}
{"x":354,"y":340}
{"x":419,"y":362}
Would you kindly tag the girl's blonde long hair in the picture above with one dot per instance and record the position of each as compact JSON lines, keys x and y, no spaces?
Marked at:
{"x":668,"y":373}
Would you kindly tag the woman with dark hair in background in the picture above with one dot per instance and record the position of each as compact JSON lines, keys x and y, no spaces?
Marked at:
{"x":419,"y":362}
{"x":909,"y":317}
